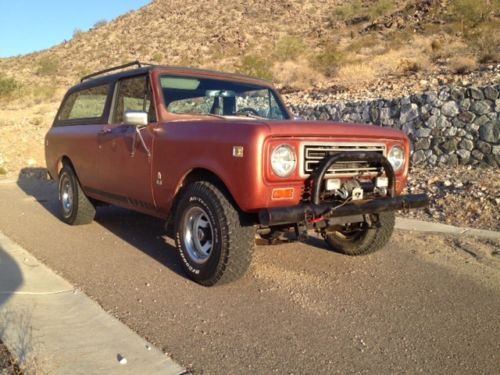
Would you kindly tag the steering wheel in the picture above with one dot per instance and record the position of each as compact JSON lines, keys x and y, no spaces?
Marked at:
{"x":247,"y":110}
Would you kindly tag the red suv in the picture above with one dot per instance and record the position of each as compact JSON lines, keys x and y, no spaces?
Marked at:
{"x":221,"y":158}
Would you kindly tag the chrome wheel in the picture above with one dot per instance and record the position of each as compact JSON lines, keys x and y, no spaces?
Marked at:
{"x":66,"y":195}
{"x":198,"y":234}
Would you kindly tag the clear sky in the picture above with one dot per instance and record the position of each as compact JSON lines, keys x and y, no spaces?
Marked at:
{"x":32,"y":25}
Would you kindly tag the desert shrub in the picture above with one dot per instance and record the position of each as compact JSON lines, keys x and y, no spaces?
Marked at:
{"x":295,"y":74}
{"x":328,"y":60}
{"x":380,"y":8}
{"x":157,"y":57}
{"x":355,"y":9}
{"x":435,"y":45}
{"x":471,"y":12}
{"x":356,"y":73}
{"x":47,"y":66}
{"x":77,"y":32}
{"x":256,"y":66}
{"x":462,"y":64}
{"x":289,"y":48}
{"x":100,"y":23}
{"x":8,"y":86}
{"x":409,"y":66}
{"x":485,"y":41}
{"x":349,"y":10}
{"x":42,"y":94}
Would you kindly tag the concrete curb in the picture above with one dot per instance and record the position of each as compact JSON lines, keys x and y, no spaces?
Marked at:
{"x":426,"y":226}
{"x":50,"y":327}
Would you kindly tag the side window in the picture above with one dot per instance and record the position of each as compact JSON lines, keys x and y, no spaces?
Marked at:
{"x":134,"y":94}
{"x":85,"y":104}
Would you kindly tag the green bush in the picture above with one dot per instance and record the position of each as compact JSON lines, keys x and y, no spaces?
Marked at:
{"x":256,"y":66}
{"x":472,"y":12}
{"x":381,"y":8}
{"x":349,"y":10}
{"x":47,"y":66}
{"x":328,"y":60}
{"x":356,"y":9}
{"x":289,"y":48}
{"x":157,"y":57}
{"x":8,"y":86}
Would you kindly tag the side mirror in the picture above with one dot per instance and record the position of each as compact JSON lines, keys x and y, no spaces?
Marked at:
{"x":135,"y":118}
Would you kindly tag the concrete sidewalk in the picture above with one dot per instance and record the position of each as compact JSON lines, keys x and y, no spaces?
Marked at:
{"x":425,"y":226}
{"x":52,"y":328}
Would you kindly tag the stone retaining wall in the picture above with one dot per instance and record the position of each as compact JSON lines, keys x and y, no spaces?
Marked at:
{"x":453,"y":126}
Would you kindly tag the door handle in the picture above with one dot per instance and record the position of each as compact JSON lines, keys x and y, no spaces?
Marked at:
{"x":105,"y":131}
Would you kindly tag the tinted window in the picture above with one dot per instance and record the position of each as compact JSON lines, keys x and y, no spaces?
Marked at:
{"x":85,"y":104}
{"x":134,"y":94}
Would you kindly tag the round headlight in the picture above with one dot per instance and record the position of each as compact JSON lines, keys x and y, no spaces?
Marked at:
{"x":396,"y":157}
{"x":283,"y":161}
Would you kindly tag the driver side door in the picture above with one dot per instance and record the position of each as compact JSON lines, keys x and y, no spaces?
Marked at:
{"x":125,"y":162}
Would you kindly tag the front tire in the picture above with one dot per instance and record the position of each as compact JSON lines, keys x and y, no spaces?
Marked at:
{"x":215,"y":244}
{"x":76,"y":207}
{"x":361,"y":238}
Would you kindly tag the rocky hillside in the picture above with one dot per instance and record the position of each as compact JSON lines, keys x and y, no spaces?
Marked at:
{"x":296,"y":43}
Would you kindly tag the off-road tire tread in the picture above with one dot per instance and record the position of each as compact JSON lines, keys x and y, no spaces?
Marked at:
{"x":238,"y":237}
{"x":377,"y":239}
{"x":85,"y":209}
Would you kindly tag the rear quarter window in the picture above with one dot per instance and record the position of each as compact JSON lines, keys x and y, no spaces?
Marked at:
{"x":85,"y":104}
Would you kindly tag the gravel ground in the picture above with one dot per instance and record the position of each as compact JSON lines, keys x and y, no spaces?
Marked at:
{"x":463,"y":196}
{"x":7,"y":365}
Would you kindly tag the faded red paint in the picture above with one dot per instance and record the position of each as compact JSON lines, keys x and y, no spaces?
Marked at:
{"x":179,"y":144}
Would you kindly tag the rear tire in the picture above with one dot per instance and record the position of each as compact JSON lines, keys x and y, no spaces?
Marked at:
{"x":215,"y":243}
{"x":76,"y":207}
{"x":363,"y":239}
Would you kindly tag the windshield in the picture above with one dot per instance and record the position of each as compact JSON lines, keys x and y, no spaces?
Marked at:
{"x":189,"y":95}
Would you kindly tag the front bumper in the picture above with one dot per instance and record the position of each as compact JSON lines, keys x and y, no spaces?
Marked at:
{"x":317,"y":210}
{"x":309,"y":212}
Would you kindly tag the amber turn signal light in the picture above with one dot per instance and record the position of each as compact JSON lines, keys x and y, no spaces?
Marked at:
{"x":282,"y":193}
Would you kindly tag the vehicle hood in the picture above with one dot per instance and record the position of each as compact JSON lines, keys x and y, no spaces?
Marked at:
{"x":331,"y":129}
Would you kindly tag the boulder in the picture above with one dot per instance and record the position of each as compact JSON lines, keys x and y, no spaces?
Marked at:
{"x":450,"y":109}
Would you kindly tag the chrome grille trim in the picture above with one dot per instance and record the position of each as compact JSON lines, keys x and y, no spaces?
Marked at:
{"x":313,"y":152}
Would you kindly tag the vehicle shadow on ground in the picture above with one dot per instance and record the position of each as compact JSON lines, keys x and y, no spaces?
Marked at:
{"x":141,"y":231}
{"x":11,"y":278}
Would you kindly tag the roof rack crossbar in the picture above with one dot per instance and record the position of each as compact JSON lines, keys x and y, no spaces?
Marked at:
{"x":138,"y":63}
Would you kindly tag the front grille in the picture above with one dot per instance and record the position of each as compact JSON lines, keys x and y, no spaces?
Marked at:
{"x":313,"y":153}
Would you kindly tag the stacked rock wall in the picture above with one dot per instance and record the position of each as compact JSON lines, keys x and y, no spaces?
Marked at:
{"x":455,"y":125}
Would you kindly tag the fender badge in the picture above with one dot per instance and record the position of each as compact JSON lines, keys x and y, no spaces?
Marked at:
{"x":158,"y":179}
{"x":238,"y":151}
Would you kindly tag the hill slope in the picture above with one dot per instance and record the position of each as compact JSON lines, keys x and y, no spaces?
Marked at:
{"x":296,"y":43}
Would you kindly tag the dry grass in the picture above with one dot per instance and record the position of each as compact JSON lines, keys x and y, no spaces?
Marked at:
{"x":356,"y":74}
{"x":296,"y":75}
{"x":463,"y":64}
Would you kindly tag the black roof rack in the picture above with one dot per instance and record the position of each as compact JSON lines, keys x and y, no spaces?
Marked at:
{"x":137,"y":63}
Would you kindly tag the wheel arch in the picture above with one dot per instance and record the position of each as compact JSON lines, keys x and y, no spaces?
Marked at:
{"x":204,"y":174}
{"x":64,"y":160}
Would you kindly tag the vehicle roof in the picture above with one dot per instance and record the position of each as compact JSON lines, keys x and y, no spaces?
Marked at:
{"x":186,"y":71}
